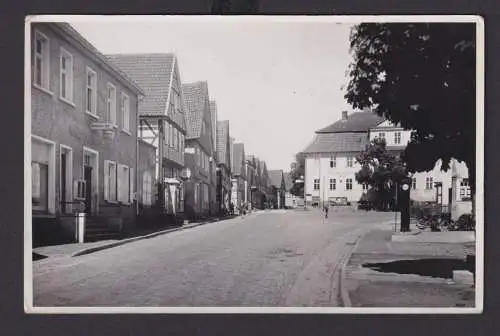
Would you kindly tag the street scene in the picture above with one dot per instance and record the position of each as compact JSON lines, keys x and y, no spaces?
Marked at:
{"x":272,"y":163}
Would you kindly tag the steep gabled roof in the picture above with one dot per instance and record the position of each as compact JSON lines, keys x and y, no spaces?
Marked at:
{"x":355,"y":122}
{"x":275,"y":177}
{"x":195,"y":99}
{"x":69,"y":32}
{"x":152,"y":72}
{"x":337,"y":143}
{"x":222,"y":142}
{"x":213,"y":118}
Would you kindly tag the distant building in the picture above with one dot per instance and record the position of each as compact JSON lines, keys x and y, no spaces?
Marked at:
{"x":223,"y":165}
{"x":331,"y":162}
{"x":277,"y":181}
{"x":199,"y":148}
{"x":84,"y":145}
{"x":161,"y":112}
{"x":213,"y":159}
{"x":291,"y":201}
{"x":239,"y":183}
{"x":251,"y":179}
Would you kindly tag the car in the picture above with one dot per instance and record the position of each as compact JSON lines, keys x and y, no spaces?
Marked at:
{"x":365,"y":205}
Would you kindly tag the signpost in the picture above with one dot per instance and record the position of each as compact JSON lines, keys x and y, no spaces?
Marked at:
{"x":404,"y":204}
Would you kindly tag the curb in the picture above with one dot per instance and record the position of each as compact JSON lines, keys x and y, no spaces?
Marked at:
{"x":345,"y":300}
{"x":148,"y":236}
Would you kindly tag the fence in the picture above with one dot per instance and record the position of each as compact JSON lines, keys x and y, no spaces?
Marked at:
{"x":418,"y":210}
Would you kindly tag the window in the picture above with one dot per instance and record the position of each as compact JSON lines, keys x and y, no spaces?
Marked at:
{"x":111,"y":104}
{"x":316,"y":184}
{"x":125,"y":109}
{"x":176,"y":101}
{"x":110,"y":181}
{"x":147,"y":188}
{"x":348,"y":184}
{"x":414,"y":183}
{"x":131,"y":185}
{"x":397,"y":138}
{"x":381,"y":135}
{"x":91,"y":93}
{"x":465,"y":188}
{"x":167,"y":133}
{"x":86,"y":160}
{"x":350,"y":161}
{"x":41,"y":74}
{"x":428,"y":183}
{"x":66,"y":75}
{"x":123,"y":184}
{"x":365,"y":186}
{"x":333,"y":184}
{"x":178,"y":141}
{"x":333,"y":162}
{"x":39,"y":186}
{"x":171,"y":135}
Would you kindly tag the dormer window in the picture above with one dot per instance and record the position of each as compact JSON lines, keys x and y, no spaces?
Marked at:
{"x":333,"y":162}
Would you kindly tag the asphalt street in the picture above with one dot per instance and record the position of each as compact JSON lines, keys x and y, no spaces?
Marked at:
{"x":272,"y":258}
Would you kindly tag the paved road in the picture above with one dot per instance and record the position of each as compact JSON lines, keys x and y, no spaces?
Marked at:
{"x":274,"y":258}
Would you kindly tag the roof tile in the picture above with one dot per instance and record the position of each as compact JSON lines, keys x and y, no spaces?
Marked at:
{"x":153,"y":73}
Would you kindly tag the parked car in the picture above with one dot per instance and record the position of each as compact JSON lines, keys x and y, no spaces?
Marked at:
{"x":365,"y":205}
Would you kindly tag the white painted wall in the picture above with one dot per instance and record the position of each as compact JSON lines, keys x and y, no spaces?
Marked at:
{"x":318,"y":166}
{"x":389,"y":131}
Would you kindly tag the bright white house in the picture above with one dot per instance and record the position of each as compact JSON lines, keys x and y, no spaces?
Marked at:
{"x":330,"y":164}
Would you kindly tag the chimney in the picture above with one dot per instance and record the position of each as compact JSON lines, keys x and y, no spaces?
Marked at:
{"x":344,"y":115}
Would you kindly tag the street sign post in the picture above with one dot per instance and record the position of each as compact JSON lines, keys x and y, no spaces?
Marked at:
{"x":404,"y":204}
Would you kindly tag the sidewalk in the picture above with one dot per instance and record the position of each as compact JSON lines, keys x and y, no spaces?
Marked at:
{"x":385,"y":273}
{"x":77,"y":249}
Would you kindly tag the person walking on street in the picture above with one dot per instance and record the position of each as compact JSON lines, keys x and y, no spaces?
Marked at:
{"x":326,"y":210}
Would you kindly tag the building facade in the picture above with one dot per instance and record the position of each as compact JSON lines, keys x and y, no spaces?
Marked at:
{"x":239,"y":175}
{"x":162,"y":121}
{"x":198,"y":148}
{"x":330,"y":164}
{"x":213,"y":159}
{"x":453,"y":190}
{"x":251,"y":180}
{"x":224,"y":183}
{"x":84,"y":144}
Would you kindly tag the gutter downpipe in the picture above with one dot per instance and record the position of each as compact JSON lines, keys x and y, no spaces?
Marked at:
{"x":137,"y":122}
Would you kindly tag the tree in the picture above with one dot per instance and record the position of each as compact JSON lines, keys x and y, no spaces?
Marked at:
{"x":298,"y":173}
{"x":381,"y":171}
{"x":421,"y":76}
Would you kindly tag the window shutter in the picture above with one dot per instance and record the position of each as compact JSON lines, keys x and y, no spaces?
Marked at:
{"x":119,"y":182}
{"x":106,"y":180}
{"x":131,"y":185}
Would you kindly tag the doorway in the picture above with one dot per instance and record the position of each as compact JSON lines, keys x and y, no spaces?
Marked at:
{"x":87,"y":176}
{"x":90,"y":175}
{"x":66,"y":179}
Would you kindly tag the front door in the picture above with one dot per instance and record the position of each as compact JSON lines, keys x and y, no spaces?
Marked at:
{"x":88,"y":189}
{"x":63,"y":182}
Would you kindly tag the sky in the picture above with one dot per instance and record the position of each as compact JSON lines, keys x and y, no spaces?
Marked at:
{"x":276,"y":82}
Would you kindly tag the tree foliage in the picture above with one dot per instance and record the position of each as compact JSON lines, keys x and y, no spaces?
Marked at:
{"x":421,"y":76}
{"x":380,"y":170}
{"x":297,"y":173}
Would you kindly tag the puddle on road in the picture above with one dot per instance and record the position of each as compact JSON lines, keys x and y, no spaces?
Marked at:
{"x":436,"y":268}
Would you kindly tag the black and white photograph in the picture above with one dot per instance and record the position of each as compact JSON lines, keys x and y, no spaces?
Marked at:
{"x":254,"y":164}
